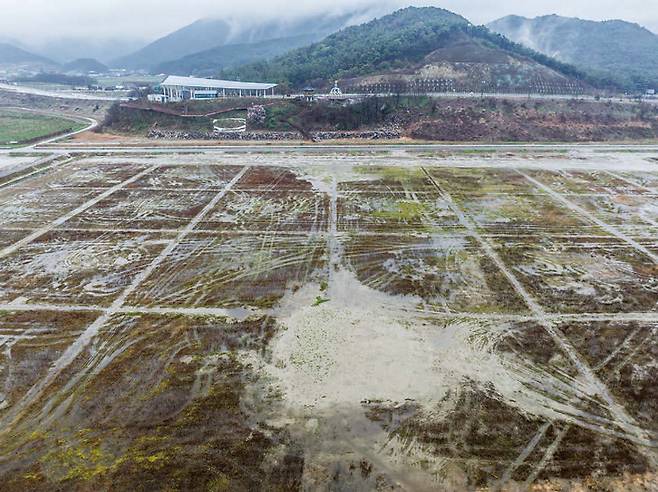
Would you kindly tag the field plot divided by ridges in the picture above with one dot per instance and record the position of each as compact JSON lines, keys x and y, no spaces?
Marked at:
{"x":274,"y":178}
{"x":622,"y":200}
{"x":529,"y":214}
{"x":31,"y":342}
{"x":192,"y":177}
{"x":82,"y":174}
{"x":576,"y":209}
{"x":646,"y":180}
{"x":394,"y":212}
{"x":66,"y":267}
{"x":274,"y":211}
{"x":196,"y":325}
{"x":481,"y":181}
{"x":621,"y":210}
{"x":582,"y":275}
{"x":44,"y":227}
{"x":442,"y":272}
{"x":143,"y":209}
{"x":587,"y":183}
{"x":32,"y":208}
{"x":231,"y":271}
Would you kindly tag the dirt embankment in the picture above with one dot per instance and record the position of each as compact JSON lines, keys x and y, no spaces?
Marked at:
{"x":72,"y":107}
{"x":568,"y":121}
{"x":182,"y":112}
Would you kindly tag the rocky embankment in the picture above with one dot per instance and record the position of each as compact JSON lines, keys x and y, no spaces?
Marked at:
{"x":261,"y":136}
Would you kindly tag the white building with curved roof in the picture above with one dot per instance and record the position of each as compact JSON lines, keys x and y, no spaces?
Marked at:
{"x":176,"y":88}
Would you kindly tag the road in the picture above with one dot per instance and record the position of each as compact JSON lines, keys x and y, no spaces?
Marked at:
{"x":454,"y":95}
{"x":492,"y":95}
{"x":246,"y":149}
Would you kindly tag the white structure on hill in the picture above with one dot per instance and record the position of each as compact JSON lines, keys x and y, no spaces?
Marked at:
{"x":336,"y":90}
{"x":177,"y":88}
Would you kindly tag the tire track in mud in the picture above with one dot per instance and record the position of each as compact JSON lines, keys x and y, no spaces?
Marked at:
{"x":75,"y":349}
{"x":525,"y":453}
{"x":333,"y":245}
{"x":581,"y":211}
{"x":258,"y":232}
{"x":223,"y":269}
{"x":233,"y":312}
{"x":632,"y":431}
{"x":552,"y":448}
{"x":637,"y":185}
{"x":548,"y":455}
{"x":64,"y":218}
{"x":238,"y":313}
{"x":631,"y":182}
{"x":620,"y":348}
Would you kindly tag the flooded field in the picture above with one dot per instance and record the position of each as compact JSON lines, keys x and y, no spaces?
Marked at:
{"x":338,"y":321}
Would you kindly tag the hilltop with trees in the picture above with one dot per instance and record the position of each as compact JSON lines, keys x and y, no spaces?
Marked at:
{"x":416,"y":43}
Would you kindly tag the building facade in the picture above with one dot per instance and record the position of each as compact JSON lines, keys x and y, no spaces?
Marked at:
{"x":175,"y":89}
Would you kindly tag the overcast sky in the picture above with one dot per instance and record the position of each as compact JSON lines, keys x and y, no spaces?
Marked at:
{"x":38,"y":20}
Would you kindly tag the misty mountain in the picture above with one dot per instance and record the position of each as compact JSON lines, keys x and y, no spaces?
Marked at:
{"x":65,"y":49}
{"x":208,"y":63}
{"x":319,"y":26}
{"x":413,"y":46}
{"x":85,"y":66}
{"x":207,"y":34}
{"x":621,"y":51}
{"x":14,"y":42}
{"x":11,"y":55}
{"x":190,"y":39}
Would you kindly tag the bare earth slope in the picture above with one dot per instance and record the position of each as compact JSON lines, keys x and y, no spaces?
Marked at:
{"x":468,"y":64}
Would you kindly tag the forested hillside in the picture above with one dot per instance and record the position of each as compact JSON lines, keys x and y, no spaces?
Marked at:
{"x":382,"y":44}
{"x":399,"y":44}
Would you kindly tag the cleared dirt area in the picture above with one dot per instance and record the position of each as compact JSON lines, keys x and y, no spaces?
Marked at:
{"x":330,"y":321}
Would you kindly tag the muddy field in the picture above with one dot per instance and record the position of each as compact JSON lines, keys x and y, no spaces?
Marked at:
{"x":344,"y":321}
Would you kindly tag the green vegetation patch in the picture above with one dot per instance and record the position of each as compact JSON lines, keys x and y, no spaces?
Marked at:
{"x":18,"y":127}
{"x":404,"y":210}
